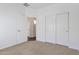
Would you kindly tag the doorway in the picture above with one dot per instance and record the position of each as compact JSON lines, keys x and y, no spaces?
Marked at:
{"x":62,"y":28}
{"x":32,"y":28}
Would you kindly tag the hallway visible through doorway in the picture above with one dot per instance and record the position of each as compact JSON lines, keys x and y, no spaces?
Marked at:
{"x":32,"y":28}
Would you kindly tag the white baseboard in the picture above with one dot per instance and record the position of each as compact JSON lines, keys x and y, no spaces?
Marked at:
{"x":74,"y":48}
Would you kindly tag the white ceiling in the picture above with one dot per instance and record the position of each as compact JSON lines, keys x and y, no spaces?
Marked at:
{"x":39,"y":5}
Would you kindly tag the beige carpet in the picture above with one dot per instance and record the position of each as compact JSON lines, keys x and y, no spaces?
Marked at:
{"x":38,"y":48}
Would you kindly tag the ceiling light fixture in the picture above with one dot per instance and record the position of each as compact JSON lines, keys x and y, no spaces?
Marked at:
{"x":26,"y":4}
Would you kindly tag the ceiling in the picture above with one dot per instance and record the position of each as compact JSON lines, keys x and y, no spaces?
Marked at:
{"x":39,"y":5}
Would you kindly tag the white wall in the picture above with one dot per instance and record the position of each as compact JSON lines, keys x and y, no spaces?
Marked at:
{"x":12,"y":19}
{"x":51,"y":11}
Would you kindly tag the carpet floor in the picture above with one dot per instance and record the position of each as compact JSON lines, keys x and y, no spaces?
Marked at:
{"x":38,"y":48}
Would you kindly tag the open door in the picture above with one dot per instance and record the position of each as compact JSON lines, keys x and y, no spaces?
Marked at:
{"x":32,"y":28}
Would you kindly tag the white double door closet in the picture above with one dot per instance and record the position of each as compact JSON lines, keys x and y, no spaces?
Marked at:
{"x":57,"y":28}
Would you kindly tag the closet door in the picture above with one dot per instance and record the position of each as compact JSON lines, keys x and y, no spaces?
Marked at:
{"x":40,"y":29}
{"x":50,"y":29}
{"x":62,"y":28}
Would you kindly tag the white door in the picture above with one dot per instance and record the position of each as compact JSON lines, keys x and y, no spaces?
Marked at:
{"x":50,"y":29}
{"x":40,"y":29}
{"x":21,"y":28}
{"x":62,"y":28}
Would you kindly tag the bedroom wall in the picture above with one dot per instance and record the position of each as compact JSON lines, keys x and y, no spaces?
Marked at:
{"x":12,"y":24}
{"x":50,"y":12}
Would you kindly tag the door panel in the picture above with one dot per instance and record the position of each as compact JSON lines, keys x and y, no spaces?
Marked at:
{"x":21,"y":29}
{"x":50,"y":29}
{"x":62,"y":29}
{"x":40,"y":29}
